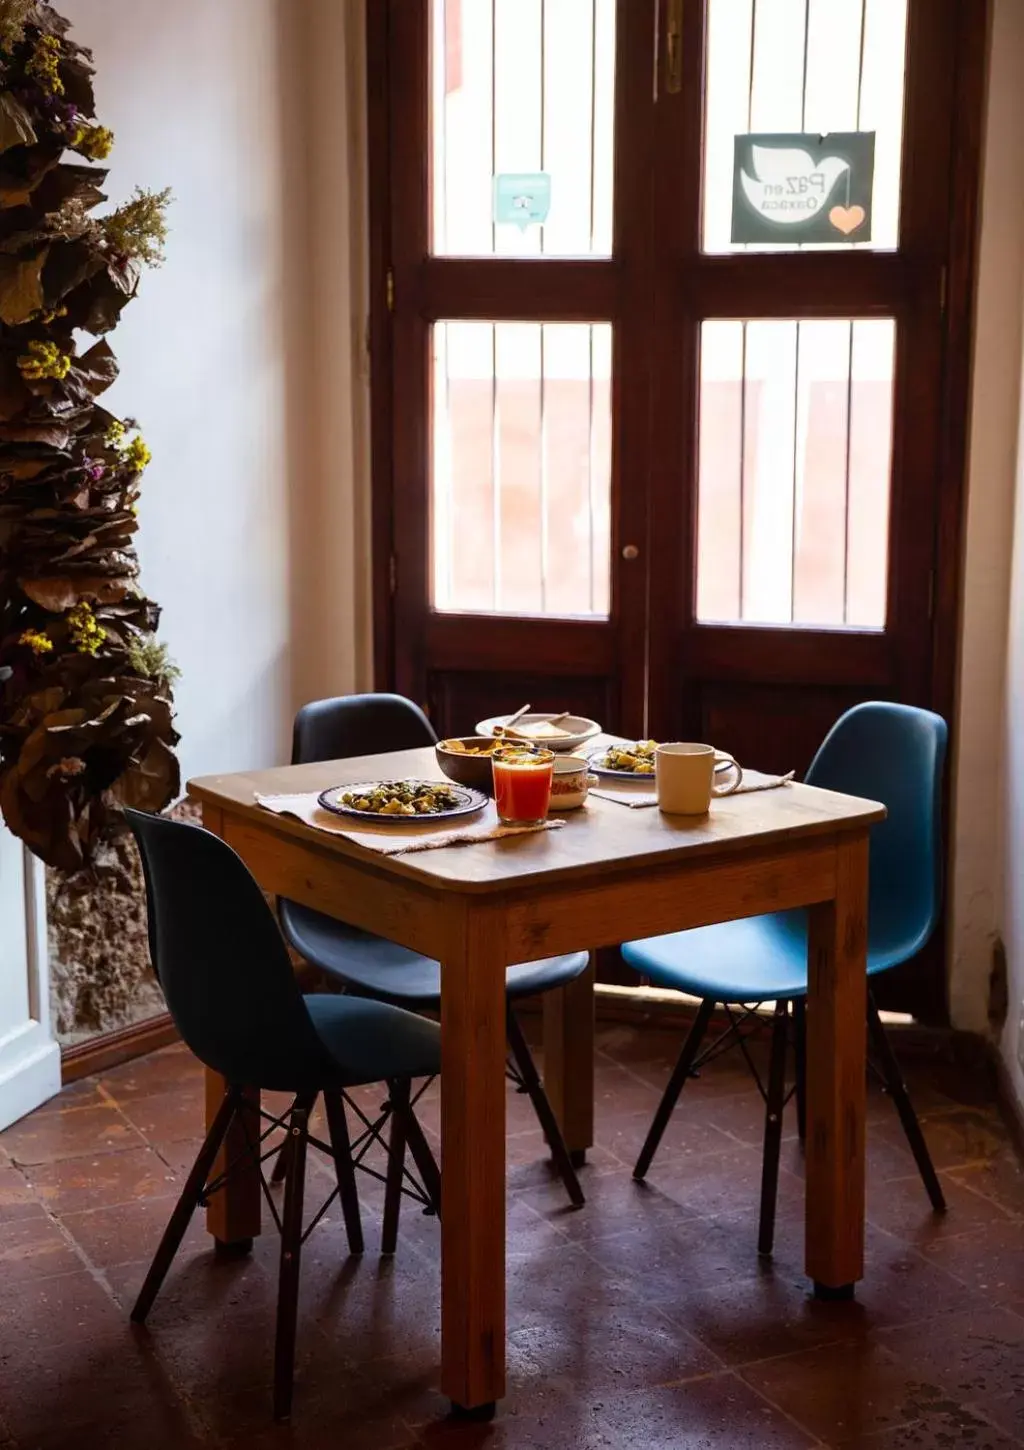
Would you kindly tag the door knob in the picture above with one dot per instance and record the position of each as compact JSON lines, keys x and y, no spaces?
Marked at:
{"x":631,"y":552}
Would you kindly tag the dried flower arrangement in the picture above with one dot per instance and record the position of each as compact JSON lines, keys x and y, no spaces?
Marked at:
{"x":86,"y":715}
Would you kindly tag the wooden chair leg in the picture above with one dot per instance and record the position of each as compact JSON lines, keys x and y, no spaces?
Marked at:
{"x":186,"y":1205}
{"x":291,"y":1255}
{"x":400,"y":1110}
{"x":341,"y":1147}
{"x":773,"y":1131}
{"x":800,"y":1057}
{"x":676,"y":1082}
{"x":530,"y":1079}
{"x":280,"y":1172}
{"x":898,"y":1092}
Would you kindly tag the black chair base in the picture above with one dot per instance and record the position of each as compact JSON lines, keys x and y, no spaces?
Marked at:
{"x":776,"y":1097}
{"x":199,"y":1189}
{"x":478,"y":1413}
{"x":523,"y":1072}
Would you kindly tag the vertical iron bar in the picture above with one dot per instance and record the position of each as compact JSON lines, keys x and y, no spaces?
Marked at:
{"x":860,"y":67}
{"x":543,"y":94}
{"x":846,"y":481}
{"x":807,"y":49}
{"x":543,"y":477}
{"x":743,"y":470}
{"x":495,"y":472}
{"x":494,"y":115}
{"x":593,"y":117}
{"x":796,"y":434}
{"x":750,"y":74}
{"x":444,"y":127}
{"x":590,"y":466}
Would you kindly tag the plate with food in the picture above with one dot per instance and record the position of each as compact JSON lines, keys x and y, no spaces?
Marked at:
{"x":402,"y":801}
{"x":630,"y":760}
{"x":554,"y":732}
{"x":634,"y":760}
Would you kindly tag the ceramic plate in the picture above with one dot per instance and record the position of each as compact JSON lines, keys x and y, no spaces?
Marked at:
{"x":469,"y":802}
{"x":581,"y":729}
{"x":599,"y":769}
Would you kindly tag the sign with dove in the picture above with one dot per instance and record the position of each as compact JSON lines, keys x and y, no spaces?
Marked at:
{"x":522,"y":198}
{"x":802,"y":187}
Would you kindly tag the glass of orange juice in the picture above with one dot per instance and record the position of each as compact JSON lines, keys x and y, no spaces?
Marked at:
{"x":522,"y":784}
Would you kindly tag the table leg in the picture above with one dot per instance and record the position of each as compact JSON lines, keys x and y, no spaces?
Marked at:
{"x":233,"y":1215}
{"x":473,"y":1163}
{"x":836,"y":1076}
{"x":569,"y":1061}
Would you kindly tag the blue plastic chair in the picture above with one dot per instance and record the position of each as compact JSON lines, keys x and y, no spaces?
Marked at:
{"x":886,"y":752}
{"x":367,"y":725}
{"x":231,"y":991}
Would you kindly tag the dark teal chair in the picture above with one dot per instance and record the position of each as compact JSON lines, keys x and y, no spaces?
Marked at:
{"x":231,"y":991}
{"x":370,"y":725}
{"x":886,"y":752}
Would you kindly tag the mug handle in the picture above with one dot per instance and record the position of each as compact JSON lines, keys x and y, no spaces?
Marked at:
{"x":733,"y":786}
{"x":593,"y":780}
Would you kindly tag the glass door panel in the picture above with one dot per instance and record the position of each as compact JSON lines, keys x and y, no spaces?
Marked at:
{"x":795,"y":443}
{"x":521,"y":468}
{"x":522,"y":121}
{"x":811,"y":67}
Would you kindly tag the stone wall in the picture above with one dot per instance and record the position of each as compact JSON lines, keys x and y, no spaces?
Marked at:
{"x":101,"y":978}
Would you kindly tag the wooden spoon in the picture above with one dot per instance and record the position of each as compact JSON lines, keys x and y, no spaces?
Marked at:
{"x":512,"y":719}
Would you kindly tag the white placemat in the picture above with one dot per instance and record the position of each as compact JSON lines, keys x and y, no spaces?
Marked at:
{"x":398,"y":840}
{"x":628,"y":793}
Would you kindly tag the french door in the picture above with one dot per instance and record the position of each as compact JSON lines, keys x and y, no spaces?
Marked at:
{"x":669,"y":312}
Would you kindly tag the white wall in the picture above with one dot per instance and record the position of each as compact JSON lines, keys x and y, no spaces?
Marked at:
{"x":1013,"y":838}
{"x":978,"y":908}
{"x":223,"y":359}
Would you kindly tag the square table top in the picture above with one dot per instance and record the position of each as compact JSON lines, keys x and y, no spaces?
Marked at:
{"x":601,"y":839}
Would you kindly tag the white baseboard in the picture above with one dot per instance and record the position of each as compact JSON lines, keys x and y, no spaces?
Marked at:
{"x":29,"y":1073}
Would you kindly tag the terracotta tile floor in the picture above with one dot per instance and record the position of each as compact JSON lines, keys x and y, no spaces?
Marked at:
{"x":645,"y":1320}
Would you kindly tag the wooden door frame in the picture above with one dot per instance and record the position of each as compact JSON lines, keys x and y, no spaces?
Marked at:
{"x":967,"y":123}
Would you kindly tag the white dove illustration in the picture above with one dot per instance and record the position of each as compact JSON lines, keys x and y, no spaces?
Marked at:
{"x":790,"y":186}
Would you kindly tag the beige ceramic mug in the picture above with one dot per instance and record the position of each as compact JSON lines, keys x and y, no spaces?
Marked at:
{"x":685,"y":775}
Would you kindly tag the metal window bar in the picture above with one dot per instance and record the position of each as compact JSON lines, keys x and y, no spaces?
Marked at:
{"x":793,"y":507}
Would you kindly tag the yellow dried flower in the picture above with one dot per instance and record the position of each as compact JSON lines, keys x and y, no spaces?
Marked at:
{"x":137,"y":455}
{"x":95,"y":142}
{"x":51,"y":314}
{"x":44,"y":360}
{"x":38,"y":643}
{"x":115,"y":434}
{"x":44,"y":64}
{"x":86,"y":633}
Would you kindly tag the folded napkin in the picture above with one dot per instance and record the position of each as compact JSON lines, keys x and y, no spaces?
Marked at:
{"x":397,"y":840}
{"x":626,"y":793}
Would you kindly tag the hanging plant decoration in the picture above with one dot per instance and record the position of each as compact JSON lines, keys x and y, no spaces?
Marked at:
{"x":86,"y":715}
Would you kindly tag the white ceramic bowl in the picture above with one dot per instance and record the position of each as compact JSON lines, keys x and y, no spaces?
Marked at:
{"x":579,"y":730}
{"x":571,"y":782}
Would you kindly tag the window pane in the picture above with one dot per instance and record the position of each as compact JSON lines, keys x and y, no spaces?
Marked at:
{"x":804,"y":66}
{"x":521,"y":87}
{"x":521,"y":478}
{"x":794,"y":469}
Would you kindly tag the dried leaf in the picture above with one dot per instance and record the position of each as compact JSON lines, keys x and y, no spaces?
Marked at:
{"x":21,"y":287}
{"x":16,"y":127}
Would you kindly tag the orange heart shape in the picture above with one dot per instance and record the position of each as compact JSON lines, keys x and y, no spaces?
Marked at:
{"x":846,"y":219}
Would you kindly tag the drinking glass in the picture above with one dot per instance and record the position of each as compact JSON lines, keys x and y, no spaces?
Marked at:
{"x":522,"y":784}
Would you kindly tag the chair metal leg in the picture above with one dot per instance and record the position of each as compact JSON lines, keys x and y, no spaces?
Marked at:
{"x":773,"y":1131}
{"x":542,"y":1107}
{"x":680,"y":1073}
{"x":280,"y":1172}
{"x":898,"y":1092}
{"x":341,"y":1147}
{"x":426,"y":1163}
{"x":186,"y":1205}
{"x":400,"y":1094}
{"x":291,"y":1255}
{"x":800,"y":1055}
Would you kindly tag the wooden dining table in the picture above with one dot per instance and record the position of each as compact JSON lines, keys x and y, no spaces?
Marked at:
{"x":612,"y":874}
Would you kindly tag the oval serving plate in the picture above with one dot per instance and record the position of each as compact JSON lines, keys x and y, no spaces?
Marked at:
{"x":470,"y":801}
{"x":634,"y":775}
{"x":581,"y":730}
